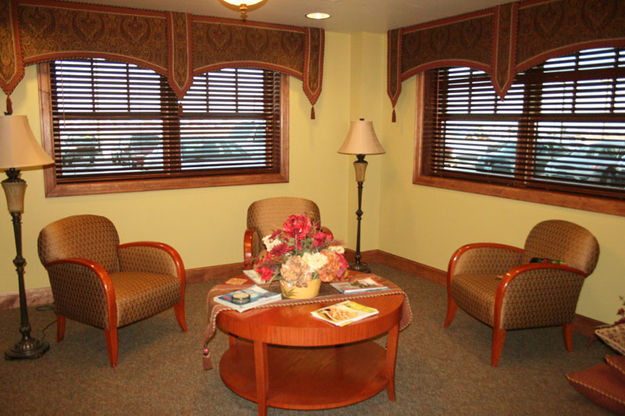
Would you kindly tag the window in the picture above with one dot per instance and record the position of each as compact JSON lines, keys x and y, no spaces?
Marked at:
{"x":560,"y":129}
{"x":115,"y":127}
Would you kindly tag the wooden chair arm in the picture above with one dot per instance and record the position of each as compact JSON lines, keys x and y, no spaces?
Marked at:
{"x":94,"y":282}
{"x":470,"y":258}
{"x":327,"y":231}
{"x":151,"y":257}
{"x":248,"y":256}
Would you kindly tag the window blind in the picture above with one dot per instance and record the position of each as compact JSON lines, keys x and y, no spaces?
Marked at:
{"x":117,"y":120}
{"x":560,"y":127}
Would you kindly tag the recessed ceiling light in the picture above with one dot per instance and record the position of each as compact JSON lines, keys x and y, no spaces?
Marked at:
{"x":318,"y":15}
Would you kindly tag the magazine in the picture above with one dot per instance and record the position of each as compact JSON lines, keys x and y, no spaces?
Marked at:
{"x":367,"y":284}
{"x":254,"y":276}
{"x":239,"y":300}
{"x":344,"y":313}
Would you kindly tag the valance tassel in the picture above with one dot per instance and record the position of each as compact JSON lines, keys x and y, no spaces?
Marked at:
{"x":312,"y":112}
{"x":9,"y":107}
{"x":394,"y":117}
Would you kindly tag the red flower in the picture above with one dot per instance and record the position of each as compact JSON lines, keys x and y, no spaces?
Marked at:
{"x":621,"y":312}
{"x":297,"y":226}
{"x":320,"y":238}
{"x":280,"y":250}
{"x":265,"y":273}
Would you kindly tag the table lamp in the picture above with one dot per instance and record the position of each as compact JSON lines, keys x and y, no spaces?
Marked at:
{"x":19,"y":149}
{"x":360,"y":141}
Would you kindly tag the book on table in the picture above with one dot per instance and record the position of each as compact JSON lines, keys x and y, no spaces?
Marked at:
{"x":344,"y":313}
{"x":366,"y":284}
{"x":248,"y":298}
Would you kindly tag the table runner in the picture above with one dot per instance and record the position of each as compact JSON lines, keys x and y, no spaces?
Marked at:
{"x":326,"y":294}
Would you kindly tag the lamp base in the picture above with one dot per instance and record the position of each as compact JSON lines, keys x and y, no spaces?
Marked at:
{"x":360,"y":267}
{"x":27,"y":348}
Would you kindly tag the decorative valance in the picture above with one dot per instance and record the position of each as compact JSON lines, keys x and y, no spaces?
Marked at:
{"x":504,"y":40}
{"x":176,"y":45}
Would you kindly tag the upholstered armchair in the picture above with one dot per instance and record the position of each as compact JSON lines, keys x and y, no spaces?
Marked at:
{"x":509,"y":287}
{"x":98,"y":281}
{"x":266,"y":215}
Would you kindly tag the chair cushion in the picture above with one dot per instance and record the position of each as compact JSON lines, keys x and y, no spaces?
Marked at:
{"x":602,"y":385}
{"x":475,"y":294}
{"x":140,"y":295}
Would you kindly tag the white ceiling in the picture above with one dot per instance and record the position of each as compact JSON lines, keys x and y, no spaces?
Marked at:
{"x":375,"y":16}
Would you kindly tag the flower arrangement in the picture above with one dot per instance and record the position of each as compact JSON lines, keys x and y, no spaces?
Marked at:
{"x":301,"y":252}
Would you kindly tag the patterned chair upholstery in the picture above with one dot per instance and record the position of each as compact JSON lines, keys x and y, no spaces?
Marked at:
{"x":99,"y":282}
{"x":508,"y":287}
{"x":266,"y":215}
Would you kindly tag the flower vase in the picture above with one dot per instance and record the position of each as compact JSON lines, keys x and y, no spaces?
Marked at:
{"x":306,"y":292}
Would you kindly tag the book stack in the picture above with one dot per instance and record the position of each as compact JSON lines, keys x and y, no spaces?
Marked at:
{"x":248,"y":298}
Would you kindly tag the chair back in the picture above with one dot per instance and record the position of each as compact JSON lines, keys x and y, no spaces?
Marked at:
{"x":90,"y":237}
{"x":561,"y":240}
{"x":266,"y":215}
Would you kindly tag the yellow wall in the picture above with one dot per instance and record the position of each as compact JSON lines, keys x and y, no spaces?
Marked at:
{"x":419,"y":223}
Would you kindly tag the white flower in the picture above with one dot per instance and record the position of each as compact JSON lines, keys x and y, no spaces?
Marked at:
{"x":336,"y":249}
{"x":315,"y":260}
{"x":270,"y":243}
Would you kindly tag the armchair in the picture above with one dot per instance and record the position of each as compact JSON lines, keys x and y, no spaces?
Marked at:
{"x":97,"y":281}
{"x":266,"y":215}
{"x":509,"y":287}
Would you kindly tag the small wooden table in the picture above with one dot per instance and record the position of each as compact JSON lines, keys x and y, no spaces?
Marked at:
{"x":283,"y":357}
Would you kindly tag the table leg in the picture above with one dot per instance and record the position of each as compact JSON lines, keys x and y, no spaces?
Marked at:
{"x":261,"y":366}
{"x":391,"y":355}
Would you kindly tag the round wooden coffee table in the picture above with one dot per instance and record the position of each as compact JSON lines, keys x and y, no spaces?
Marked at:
{"x":283,"y":357}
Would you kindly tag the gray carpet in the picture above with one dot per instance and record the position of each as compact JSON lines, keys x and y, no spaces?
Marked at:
{"x":439,"y":371}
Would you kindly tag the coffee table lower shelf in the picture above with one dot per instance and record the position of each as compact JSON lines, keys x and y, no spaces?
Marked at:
{"x":308,"y":378}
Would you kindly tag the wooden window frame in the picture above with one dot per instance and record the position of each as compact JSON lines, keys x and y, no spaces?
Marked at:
{"x":562,"y":199}
{"x":54,"y":189}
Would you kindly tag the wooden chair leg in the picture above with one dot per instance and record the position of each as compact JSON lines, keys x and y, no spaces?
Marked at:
{"x":179,"y":309}
{"x":112,"y":345}
{"x":499,"y":336}
{"x":568,"y":337}
{"x":451,"y":311}
{"x":60,"y":328}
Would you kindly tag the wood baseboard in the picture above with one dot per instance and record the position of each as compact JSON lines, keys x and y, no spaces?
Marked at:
{"x":43,"y":296}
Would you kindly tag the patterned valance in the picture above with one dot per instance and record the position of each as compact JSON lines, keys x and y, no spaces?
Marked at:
{"x":504,"y":40}
{"x":176,"y":45}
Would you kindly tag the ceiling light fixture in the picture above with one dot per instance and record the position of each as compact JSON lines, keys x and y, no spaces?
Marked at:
{"x":243,"y":6}
{"x":318,"y":15}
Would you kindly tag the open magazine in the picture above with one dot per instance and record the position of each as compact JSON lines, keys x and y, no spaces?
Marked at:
{"x":344,"y":313}
{"x":244,"y":299}
{"x":366,"y":284}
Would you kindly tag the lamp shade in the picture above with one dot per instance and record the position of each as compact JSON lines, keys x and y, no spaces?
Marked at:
{"x":361,"y":140}
{"x":18,"y":146}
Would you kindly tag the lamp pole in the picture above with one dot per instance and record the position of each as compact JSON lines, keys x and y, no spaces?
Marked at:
{"x":27,"y":347}
{"x":360,"y":166}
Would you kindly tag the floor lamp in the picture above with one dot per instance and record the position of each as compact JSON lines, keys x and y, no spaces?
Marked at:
{"x":19,"y":149}
{"x":360,"y":141}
